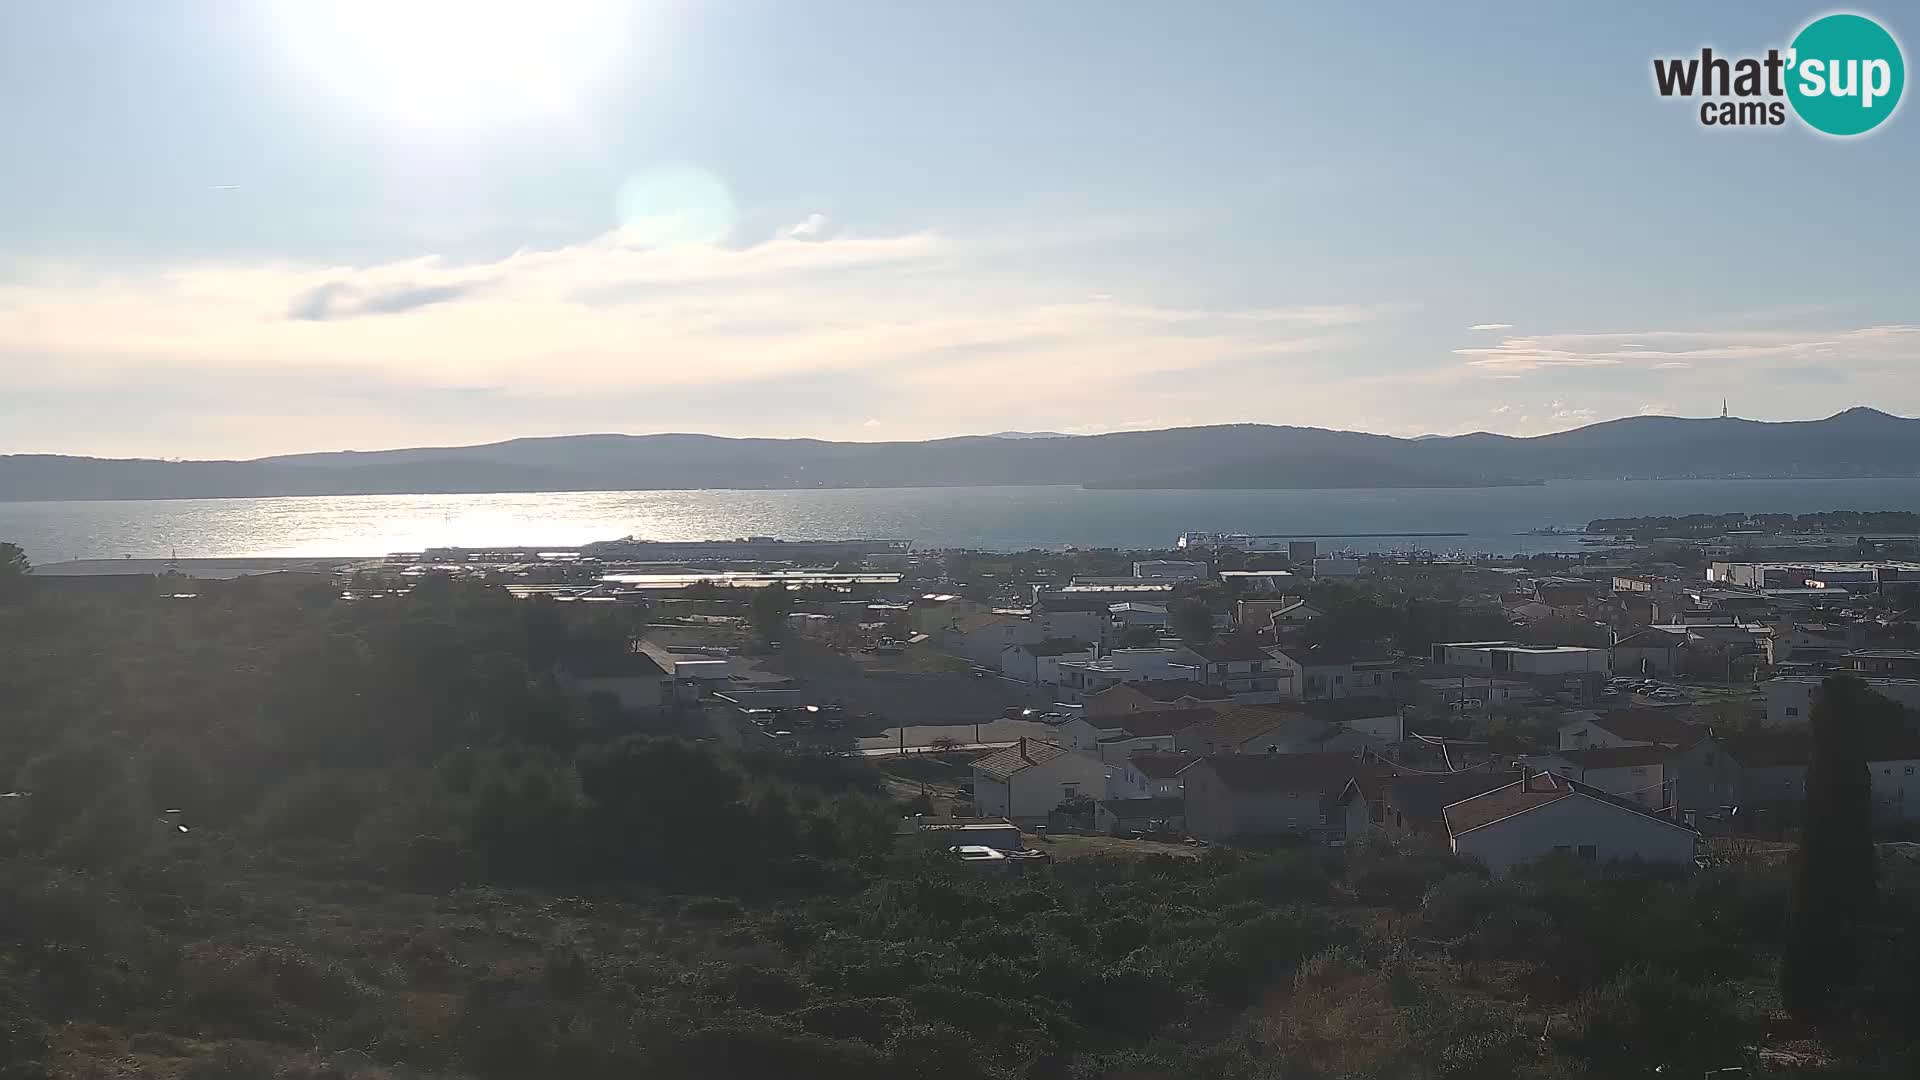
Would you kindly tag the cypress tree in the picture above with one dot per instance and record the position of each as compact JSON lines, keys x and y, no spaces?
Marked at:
{"x":1834,"y":882}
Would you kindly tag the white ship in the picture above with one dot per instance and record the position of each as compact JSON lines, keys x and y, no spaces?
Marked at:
{"x":1236,"y":541}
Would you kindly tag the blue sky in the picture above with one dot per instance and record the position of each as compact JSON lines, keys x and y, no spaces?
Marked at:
{"x":235,"y":228}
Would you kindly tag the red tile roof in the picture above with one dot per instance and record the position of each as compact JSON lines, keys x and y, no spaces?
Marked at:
{"x":1325,"y":774}
{"x":1517,"y":797}
{"x":1025,"y":754}
{"x":1160,"y":766}
{"x":1151,"y":722}
{"x":1616,"y":757}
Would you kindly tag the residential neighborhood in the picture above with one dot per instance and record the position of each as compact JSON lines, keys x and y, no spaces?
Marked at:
{"x":1599,"y":708}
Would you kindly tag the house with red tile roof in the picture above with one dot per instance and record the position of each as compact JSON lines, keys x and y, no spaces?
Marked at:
{"x":1541,"y":814}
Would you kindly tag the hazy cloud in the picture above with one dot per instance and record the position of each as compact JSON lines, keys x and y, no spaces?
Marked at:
{"x":341,"y":300}
{"x":1869,"y":344}
{"x":1491,"y":326}
{"x":812,"y":227}
{"x":911,"y":324}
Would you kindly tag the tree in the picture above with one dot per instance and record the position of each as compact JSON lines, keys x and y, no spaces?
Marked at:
{"x":1834,"y":881}
{"x":14,"y":569}
{"x":769,"y":611}
{"x":1190,"y":620}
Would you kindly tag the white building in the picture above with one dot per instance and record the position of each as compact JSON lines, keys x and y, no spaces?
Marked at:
{"x":1543,"y":814}
{"x":1790,"y":697}
{"x":1634,"y":773}
{"x":633,"y":679}
{"x":1468,"y":692}
{"x":1038,"y":663}
{"x":1649,"y":652}
{"x":1148,"y":776}
{"x":1170,"y":569}
{"x":1502,"y":657}
{"x":1129,"y":614}
{"x":1326,"y":672}
{"x":1118,"y":736}
{"x":1026,"y":781}
{"x":1083,"y":677}
{"x":1329,"y":566}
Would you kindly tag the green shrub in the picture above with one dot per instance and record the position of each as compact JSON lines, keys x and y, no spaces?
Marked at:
{"x":870,"y":1020}
{"x":1652,"y":1017}
{"x":760,"y":1050}
{"x":712,"y":909}
{"x":760,"y":989}
{"x":1456,"y":903}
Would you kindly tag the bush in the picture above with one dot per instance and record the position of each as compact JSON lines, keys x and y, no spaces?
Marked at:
{"x":324,"y":806}
{"x":871,"y":1020}
{"x":1456,"y":903}
{"x":740,"y":1050}
{"x":760,"y":989}
{"x":1650,"y":1017}
{"x":23,"y":1036}
{"x":712,"y":909}
{"x":232,"y":1061}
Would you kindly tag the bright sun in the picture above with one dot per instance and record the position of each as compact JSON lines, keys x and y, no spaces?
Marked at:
{"x":458,"y":63}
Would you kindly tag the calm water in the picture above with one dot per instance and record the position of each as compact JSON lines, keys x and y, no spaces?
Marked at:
{"x":995,"y":518}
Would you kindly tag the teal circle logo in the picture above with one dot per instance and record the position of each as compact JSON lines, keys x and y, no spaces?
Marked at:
{"x":1845,"y":74}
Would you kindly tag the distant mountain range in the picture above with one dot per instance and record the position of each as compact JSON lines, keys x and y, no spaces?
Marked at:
{"x":1857,"y":442}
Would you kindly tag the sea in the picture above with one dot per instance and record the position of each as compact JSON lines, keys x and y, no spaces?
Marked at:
{"x":1488,"y":520}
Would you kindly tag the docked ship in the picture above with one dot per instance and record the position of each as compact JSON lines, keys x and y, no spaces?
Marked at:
{"x":744,"y":549}
{"x":1236,"y":541}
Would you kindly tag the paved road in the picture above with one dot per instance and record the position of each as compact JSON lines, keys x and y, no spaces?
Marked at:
{"x":997,"y":732}
{"x":894,"y":751}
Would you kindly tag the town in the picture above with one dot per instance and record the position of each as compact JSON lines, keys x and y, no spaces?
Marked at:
{"x":1644,"y":703}
{"x":848,"y":804}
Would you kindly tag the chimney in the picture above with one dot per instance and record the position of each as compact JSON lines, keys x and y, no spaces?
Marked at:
{"x":1023,"y":750}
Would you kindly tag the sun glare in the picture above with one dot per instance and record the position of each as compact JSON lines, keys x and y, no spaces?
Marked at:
{"x":459,"y":63}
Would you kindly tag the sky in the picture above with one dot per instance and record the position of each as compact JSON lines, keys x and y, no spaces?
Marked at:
{"x":232,"y":228}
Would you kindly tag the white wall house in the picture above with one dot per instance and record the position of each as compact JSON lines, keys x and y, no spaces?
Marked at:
{"x":1148,"y":776}
{"x":1324,"y":673}
{"x":1117,"y":736}
{"x":1080,"y":678}
{"x":633,"y":679}
{"x":1896,"y":789}
{"x":1544,"y":814}
{"x":1634,"y":773}
{"x":1790,"y":697}
{"x":1024,"y":782}
{"x":1649,"y":652}
{"x":1038,"y":663}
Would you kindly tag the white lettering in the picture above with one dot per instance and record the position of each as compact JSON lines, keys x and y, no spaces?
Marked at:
{"x":1843,"y":88}
{"x":1813,"y":79}
{"x":1878,"y":80}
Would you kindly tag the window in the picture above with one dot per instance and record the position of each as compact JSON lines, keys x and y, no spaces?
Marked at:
{"x":1339,"y":680}
{"x":1793,"y":710}
{"x":1639,"y":772}
{"x":1068,"y":791}
{"x":1562,"y":849}
{"x":1589,"y":852}
{"x":1323,"y":819}
{"x":1909,"y":770}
